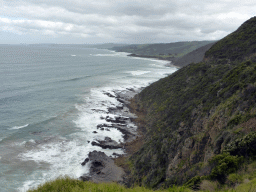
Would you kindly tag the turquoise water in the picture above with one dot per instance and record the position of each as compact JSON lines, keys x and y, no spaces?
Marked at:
{"x":47,"y":97}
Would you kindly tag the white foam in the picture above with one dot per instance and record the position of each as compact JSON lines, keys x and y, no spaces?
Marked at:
{"x":138,"y":72}
{"x":64,"y":158}
{"x":94,"y":112}
{"x":32,"y":141}
{"x":114,"y":54}
{"x":26,"y":186}
{"x":162,"y":62}
{"x":18,"y":127}
{"x":73,"y":55}
{"x":19,"y":143}
{"x":159,"y":65}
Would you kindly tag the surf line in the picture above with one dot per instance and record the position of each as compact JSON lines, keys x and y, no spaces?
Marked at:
{"x":102,"y":167}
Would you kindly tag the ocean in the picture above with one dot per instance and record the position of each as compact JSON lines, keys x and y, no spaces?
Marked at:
{"x":52,"y":97}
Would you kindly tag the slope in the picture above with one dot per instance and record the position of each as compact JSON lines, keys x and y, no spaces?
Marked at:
{"x":193,"y":56}
{"x":197,"y":113}
{"x":168,"y":51}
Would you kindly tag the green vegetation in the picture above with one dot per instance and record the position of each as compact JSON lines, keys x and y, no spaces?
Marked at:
{"x":245,"y":147}
{"x":193,"y":114}
{"x":224,"y":164}
{"x":238,"y":45}
{"x":72,"y":185}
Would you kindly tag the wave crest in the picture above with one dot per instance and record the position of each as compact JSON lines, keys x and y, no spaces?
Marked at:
{"x":19,"y":127}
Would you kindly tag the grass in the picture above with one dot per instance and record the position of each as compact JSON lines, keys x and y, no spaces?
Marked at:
{"x":66,"y":184}
{"x":244,"y":180}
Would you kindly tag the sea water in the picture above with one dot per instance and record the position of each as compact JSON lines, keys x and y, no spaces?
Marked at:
{"x":52,"y":97}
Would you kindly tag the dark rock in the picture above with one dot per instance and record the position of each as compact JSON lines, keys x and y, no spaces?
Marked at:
{"x":131,"y":89}
{"x":120,"y":120}
{"x":88,"y":141}
{"x":121,"y":127}
{"x":98,"y":110}
{"x":108,"y":139}
{"x":108,"y":143}
{"x":36,"y":133}
{"x":104,"y":125}
{"x":97,"y":166}
{"x":120,"y":107}
{"x":85,"y":161}
{"x":85,"y":177}
{"x":120,"y":100}
{"x":126,"y":133}
{"x":95,"y":132}
{"x":116,"y":155}
{"x":103,"y":169}
{"x":109,"y":94}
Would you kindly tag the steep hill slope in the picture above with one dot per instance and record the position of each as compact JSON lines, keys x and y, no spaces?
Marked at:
{"x":198,"y":112}
{"x":192,"y":57}
{"x":168,"y":51}
{"x":239,"y":45}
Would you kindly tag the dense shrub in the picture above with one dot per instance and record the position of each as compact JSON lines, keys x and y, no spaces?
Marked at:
{"x":245,"y":146}
{"x":224,"y":164}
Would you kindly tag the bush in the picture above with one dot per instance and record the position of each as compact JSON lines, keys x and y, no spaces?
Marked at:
{"x":245,"y":146}
{"x":234,"y":179}
{"x":210,"y":186}
{"x":194,"y":182}
{"x":224,"y":165}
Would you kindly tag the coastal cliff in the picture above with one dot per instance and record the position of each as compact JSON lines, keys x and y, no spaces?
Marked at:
{"x":202,"y":112}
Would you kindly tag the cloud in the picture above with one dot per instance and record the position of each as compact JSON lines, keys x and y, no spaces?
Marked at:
{"x":123,"y":21}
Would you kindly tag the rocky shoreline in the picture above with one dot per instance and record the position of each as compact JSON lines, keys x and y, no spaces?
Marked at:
{"x":101,"y":167}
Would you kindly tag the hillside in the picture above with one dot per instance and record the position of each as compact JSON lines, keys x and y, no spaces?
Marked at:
{"x":201,"y":120}
{"x":166,"y":51}
{"x":195,"y":56}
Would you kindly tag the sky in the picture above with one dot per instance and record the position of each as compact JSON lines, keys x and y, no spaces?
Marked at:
{"x":120,"y":21}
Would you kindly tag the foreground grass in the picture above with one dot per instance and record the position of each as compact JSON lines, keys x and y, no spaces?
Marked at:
{"x":73,"y":185}
{"x":246,"y":186}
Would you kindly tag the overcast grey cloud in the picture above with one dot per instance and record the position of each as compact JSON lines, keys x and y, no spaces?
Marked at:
{"x":104,"y":21}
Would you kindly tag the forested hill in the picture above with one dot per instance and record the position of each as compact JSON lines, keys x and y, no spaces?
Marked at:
{"x":201,"y":120}
{"x":166,"y":51}
{"x":193,"y":56}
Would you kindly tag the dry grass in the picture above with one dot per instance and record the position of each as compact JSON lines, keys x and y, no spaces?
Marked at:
{"x":208,"y":185}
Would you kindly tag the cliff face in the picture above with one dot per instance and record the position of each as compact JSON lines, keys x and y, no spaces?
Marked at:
{"x":197,"y":112}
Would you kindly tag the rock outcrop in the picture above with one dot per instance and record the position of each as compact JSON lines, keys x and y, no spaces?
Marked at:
{"x":108,"y":143}
{"x":102,"y":169}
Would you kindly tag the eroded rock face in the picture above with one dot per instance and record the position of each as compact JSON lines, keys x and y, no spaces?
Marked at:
{"x":102,"y":169}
